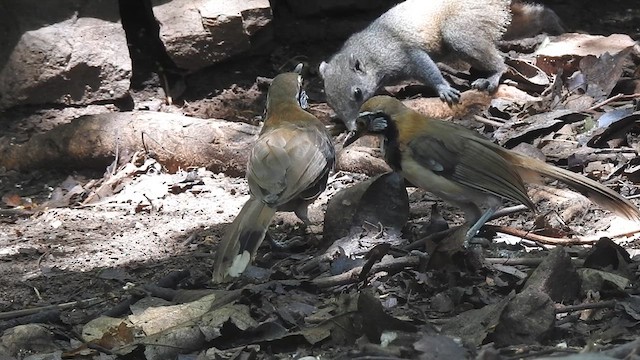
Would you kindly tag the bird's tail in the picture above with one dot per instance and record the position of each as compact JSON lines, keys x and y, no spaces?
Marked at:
{"x":242,"y":239}
{"x":593,"y":190}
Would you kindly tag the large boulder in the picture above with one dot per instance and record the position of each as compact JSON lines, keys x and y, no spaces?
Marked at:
{"x":62,"y":52}
{"x":200,"y":33}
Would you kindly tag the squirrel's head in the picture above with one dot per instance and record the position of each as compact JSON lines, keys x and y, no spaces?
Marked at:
{"x":348,"y":83}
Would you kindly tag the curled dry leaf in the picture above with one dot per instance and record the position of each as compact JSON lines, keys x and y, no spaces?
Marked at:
{"x":565,"y":51}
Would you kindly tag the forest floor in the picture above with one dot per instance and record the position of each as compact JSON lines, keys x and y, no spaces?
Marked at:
{"x":154,"y":224}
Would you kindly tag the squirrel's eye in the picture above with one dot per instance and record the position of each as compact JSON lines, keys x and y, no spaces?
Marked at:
{"x":357,"y":94}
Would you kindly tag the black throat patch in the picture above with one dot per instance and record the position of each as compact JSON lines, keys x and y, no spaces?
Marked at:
{"x":391,"y":146}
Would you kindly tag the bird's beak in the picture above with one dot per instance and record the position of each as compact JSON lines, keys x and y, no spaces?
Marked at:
{"x":352,"y":136}
{"x":355,"y":133}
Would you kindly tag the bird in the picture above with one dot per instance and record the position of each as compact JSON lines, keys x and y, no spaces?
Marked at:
{"x":463,"y":167}
{"x":288,"y":168}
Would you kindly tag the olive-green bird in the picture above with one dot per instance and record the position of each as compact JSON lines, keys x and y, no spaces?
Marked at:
{"x":288,"y":169}
{"x":464,"y":168}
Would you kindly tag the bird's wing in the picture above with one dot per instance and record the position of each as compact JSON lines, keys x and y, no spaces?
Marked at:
{"x":287,"y":160}
{"x":469,"y":160}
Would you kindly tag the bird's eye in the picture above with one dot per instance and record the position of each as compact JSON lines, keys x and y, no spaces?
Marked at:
{"x":357,"y":94}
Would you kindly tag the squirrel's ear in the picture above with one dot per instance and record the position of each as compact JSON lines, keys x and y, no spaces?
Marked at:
{"x":355,"y":63}
{"x":298,"y":69}
{"x":323,"y":69}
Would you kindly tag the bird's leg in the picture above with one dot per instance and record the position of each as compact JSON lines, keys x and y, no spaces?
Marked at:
{"x":302,"y":212}
{"x":284,"y":243}
{"x":473,"y":230}
{"x":475,"y":216}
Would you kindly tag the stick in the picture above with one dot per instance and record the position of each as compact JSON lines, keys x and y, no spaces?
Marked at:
{"x":23,"y":312}
{"x":547,"y":240}
{"x":435,"y":237}
{"x":613,"y":98}
{"x":585,"y":306}
{"x":47,"y":316}
{"x":352,"y":276}
{"x":488,"y":121}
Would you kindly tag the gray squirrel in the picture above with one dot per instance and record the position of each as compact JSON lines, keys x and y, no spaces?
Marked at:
{"x":408,"y":40}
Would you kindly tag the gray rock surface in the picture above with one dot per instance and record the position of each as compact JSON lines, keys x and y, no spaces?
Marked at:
{"x":62,"y":52}
{"x":200,"y":33}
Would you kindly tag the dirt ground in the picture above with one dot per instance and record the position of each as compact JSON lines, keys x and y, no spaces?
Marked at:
{"x":159,"y":223}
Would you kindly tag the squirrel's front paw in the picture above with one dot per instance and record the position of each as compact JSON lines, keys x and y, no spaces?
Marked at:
{"x":448,"y":94}
{"x":489,"y":85}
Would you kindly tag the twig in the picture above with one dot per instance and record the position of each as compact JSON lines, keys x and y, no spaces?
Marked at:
{"x":435,"y":237}
{"x":561,"y":140}
{"x":48,"y":316}
{"x":525,"y":261}
{"x":585,"y":306}
{"x":352,"y":276}
{"x":488,"y":121}
{"x":613,"y":98}
{"x":16,"y":211}
{"x":114,"y":164}
{"x":539,"y":238}
{"x":41,"y":257}
{"x":373,"y":256}
{"x":515,"y":261}
{"x":169,"y":281}
{"x":23,"y":312}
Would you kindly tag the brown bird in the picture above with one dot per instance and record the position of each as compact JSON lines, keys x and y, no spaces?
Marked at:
{"x":288,"y":168}
{"x":464,"y":168}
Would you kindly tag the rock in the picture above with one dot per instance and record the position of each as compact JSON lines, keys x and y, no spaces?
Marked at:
{"x":80,"y":58}
{"x":556,"y":276}
{"x":200,"y":33}
{"x":362,"y":160}
{"x":24,"y":339}
{"x":528,"y":318}
{"x":380,"y":200}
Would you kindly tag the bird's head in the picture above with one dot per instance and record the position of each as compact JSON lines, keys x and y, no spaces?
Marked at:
{"x":368,"y":122}
{"x":375,"y":117}
{"x":287,"y":88}
{"x":383,"y":103}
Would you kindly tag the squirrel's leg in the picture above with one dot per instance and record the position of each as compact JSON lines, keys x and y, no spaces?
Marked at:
{"x":427,"y":71}
{"x":480,"y":52}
